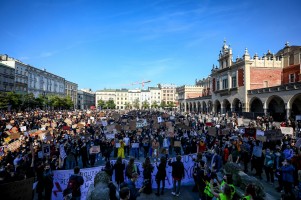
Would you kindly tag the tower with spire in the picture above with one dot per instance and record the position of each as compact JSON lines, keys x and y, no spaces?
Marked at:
{"x":225,"y":56}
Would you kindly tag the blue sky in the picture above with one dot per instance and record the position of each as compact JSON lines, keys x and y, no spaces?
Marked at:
{"x":112,"y":43}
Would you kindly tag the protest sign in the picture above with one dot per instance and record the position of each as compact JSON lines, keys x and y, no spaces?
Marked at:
{"x":23,"y":128}
{"x":177,"y":144}
{"x":15,"y":135}
{"x":44,"y":119}
{"x":287,"y":130}
{"x":135,"y":145}
{"x":14,"y":145}
{"x":8,"y":126}
{"x":14,"y":130}
{"x":110,"y":128}
{"x":261,"y":138}
{"x":126,"y":128}
{"x":74,"y":126}
{"x":259,"y":132}
{"x":212,"y":131}
{"x":273,"y":135}
{"x":21,"y":190}
{"x":225,"y":131}
{"x":168,"y":124}
{"x":118,"y":127}
{"x":132,"y":125}
{"x":110,"y":136}
{"x":81,"y":124}
{"x":117,"y":145}
{"x":209,"y":124}
{"x":240,"y":121}
{"x":160,"y":119}
{"x":95,"y":149}
{"x":116,"y":116}
{"x":171,"y":132}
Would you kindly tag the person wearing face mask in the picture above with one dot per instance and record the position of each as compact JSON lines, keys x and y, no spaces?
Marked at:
{"x":268,"y":165}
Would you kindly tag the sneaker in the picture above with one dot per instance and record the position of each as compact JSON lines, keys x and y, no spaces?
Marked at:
{"x":173,"y":193}
{"x":178,"y":194}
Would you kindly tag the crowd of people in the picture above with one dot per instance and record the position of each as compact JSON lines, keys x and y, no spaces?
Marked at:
{"x":34,"y":144}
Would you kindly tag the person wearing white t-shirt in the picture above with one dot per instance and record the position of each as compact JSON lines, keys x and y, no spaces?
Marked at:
{"x":126,"y":141}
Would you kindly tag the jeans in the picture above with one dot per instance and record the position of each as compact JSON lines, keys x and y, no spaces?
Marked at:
{"x":135,"y":152}
{"x":127,"y":150}
{"x":176,"y":189}
{"x":70,"y":164}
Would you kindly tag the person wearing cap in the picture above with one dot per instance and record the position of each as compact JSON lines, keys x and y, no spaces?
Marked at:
{"x":131,"y":184}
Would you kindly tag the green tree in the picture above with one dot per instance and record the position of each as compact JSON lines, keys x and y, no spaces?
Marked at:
{"x":28,"y":101}
{"x":136,"y":103}
{"x":101,"y":103}
{"x":68,"y":103}
{"x":110,"y":104}
{"x":3,"y":100}
{"x":145,"y":105}
{"x":13,"y":100}
{"x":154,"y":104}
{"x":127,"y":105}
{"x":163,"y":104}
{"x":41,"y":101}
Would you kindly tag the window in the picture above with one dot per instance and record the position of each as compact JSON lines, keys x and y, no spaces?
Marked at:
{"x":292,"y":78}
{"x":234,"y":80}
{"x":225,"y":82}
{"x":217,"y":84}
{"x":265,"y":84}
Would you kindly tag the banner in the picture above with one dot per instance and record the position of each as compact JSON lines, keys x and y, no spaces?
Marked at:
{"x":61,"y":177}
{"x":287,"y":130}
{"x":21,"y":190}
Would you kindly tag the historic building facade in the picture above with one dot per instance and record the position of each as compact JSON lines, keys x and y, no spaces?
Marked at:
{"x":21,"y":74}
{"x":7,"y":78}
{"x":260,"y":85}
{"x":41,"y":82}
{"x":85,"y":99}
{"x":71,"y":90}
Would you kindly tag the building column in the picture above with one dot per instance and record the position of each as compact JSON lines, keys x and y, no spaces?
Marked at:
{"x":288,"y":113}
{"x":265,"y":111}
{"x":223,"y":109}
